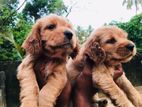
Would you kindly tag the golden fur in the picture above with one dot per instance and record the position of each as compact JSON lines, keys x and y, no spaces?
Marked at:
{"x":117,"y":49}
{"x":48,"y":46}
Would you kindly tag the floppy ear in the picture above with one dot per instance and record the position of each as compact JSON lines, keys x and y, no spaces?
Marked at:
{"x":32,"y":44}
{"x":75,"y":50}
{"x":95,"y":52}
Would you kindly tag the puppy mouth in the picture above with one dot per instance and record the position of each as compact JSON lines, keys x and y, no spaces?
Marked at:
{"x":64,"y":45}
{"x":124,"y":59}
{"x":115,"y":60}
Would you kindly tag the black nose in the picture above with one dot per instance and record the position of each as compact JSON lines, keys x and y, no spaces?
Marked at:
{"x":130,"y":47}
{"x":68,"y":35}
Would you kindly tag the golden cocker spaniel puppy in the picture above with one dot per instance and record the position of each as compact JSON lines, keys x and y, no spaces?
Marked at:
{"x":42,"y":73}
{"x":116,"y":49}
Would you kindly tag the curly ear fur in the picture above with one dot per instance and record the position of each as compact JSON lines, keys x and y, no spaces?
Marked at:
{"x":32,"y":43}
{"x":91,"y":50}
{"x":95,"y":52}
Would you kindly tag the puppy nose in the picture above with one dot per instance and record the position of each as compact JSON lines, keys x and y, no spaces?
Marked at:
{"x":130,"y":47}
{"x":68,"y":34}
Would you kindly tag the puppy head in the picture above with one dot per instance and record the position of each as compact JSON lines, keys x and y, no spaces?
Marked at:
{"x":114,"y":42}
{"x":50,"y":35}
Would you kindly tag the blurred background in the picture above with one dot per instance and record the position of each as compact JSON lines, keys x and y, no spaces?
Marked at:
{"x":18,"y":16}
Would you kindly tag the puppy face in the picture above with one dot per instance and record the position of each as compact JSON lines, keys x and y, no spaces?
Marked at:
{"x":114,"y":42}
{"x":51,"y":33}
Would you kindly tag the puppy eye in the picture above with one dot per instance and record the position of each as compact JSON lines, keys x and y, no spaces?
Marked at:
{"x":50,"y":27}
{"x":111,"y":41}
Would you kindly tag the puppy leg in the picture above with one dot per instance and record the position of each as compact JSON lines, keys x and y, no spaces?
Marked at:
{"x":29,"y":87}
{"x":130,"y":91}
{"x":65,"y":97}
{"x":104,"y":81}
{"x":72,"y":70}
{"x":54,"y":86}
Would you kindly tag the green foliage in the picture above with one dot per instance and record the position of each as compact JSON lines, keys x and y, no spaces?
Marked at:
{"x":134,"y":30}
{"x":37,"y":8}
{"x":83,"y":33}
{"x":10,"y":49}
{"x":12,"y":33}
{"x":5,"y":22}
